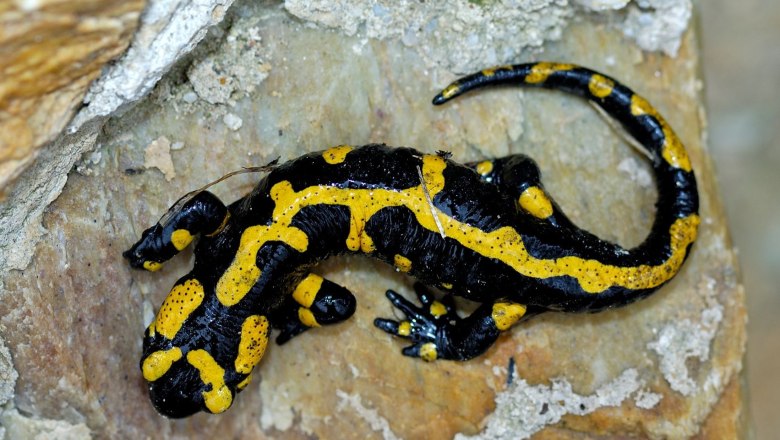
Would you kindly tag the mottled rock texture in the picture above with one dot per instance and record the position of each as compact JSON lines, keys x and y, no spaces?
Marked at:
{"x":50,"y":51}
{"x":667,"y":367}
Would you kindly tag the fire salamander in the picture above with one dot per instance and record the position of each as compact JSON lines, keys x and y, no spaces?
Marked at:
{"x":486,"y":231}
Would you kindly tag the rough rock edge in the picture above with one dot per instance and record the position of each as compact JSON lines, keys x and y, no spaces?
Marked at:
{"x":169,"y":30}
{"x":8,"y":375}
{"x":18,"y":426}
{"x":495,"y":32}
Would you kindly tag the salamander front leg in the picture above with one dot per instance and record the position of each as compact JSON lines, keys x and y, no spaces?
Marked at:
{"x":437,"y":332}
{"x":315,"y":302}
{"x":204,"y":213}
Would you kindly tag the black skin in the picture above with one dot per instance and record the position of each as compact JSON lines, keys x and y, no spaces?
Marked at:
{"x":486,"y":201}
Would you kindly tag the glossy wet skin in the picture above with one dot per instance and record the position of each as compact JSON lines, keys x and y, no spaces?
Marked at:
{"x":486,"y":231}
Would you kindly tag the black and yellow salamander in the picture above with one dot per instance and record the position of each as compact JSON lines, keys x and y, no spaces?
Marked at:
{"x":486,"y":231}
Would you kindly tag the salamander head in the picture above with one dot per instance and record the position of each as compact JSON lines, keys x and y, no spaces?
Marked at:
{"x":149,"y":252}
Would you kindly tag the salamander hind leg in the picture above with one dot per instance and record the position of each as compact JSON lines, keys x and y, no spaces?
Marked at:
{"x":314,"y":302}
{"x":437,"y":332}
{"x":519,"y":177}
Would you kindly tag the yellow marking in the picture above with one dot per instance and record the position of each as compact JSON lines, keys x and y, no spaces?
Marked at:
{"x":600,"y":86}
{"x":178,"y":305}
{"x":243,"y":384}
{"x":218,"y":398}
{"x":485,"y":167}
{"x":181,"y":238}
{"x":152,"y":266}
{"x":336,"y":155}
{"x":158,"y":363}
{"x":492,"y":71}
{"x":307,"y":317}
{"x":254,"y":338}
{"x":535,"y":202}
{"x":243,"y":272}
{"x":221,"y":226}
{"x":306,"y":290}
{"x":450,"y":91}
{"x":541,"y":71}
{"x":672,"y":150}
{"x":367,"y":243}
{"x":505,"y":315}
{"x":402,"y":263}
{"x":437,"y":309}
{"x":447,"y":286}
{"x":504,"y":244}
{"x":428,"y":352}
{"x":405,"y":328}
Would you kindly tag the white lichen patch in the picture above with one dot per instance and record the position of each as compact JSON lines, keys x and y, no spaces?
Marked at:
{"x":459,"y":35}
{"x":682,"y":340}
{"x":158,"y":155}
{"x":8,"y":375}
{"x":353,"y":404}
{"x":523,"y":410}
{"x":602,"y":5}
{"x":658,"y":24}
{"x":232,"y":121}
{"x":20,"y":427}
{"x":646,"y":399}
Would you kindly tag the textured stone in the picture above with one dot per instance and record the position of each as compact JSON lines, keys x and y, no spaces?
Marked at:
{"x":50,"y":51}
{"x":665,"y":367}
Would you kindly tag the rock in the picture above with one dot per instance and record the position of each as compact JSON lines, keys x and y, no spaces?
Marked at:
{"x":669,"y":366}
{"x":50,"y":51}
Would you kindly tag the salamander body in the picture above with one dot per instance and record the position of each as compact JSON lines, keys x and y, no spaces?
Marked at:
{"x":486,"y":231}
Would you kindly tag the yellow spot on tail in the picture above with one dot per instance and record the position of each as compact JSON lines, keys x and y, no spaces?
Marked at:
{"x":485,"y":167}
{"x":307,"y":317}
{"x":450,"y":91}
{"x":243,"y":384}
{"x":181,"y":238}
{"x":672,"y":150}
{"x":447,"y":286}
{"x":306,"y":290}
{"x":402,"y":263}
{"x":600,"y":86}
{"x":219,"y":397}
{"x":541,"y":71}
{"x":152,"y":266}
{"x":492,"y":71}
{"x":336,"y":155}
{"x":178,"y":305}
{"x":428,"y":352}
{"x":505,"y":315}
{"x":254,"y":339}
{"x":437,"y":309}
{"x":158,"y":363}
{"x":404,"y":328}
{"x":535,"y":202}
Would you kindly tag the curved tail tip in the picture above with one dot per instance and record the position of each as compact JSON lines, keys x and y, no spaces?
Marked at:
{"x":439,"y":99}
